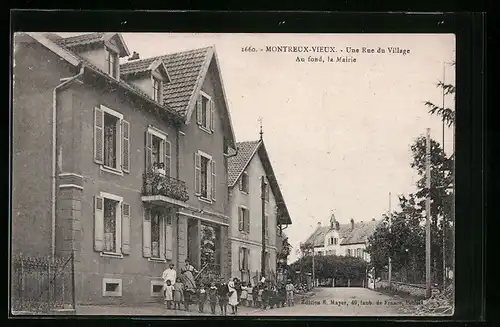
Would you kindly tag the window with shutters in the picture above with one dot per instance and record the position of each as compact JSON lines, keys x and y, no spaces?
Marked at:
{"x":205,"y":177}
{"x":111,"y":140}
{"x":111,"y":225}
{"x":205,"y":112}
{"x":110,"y":218}
{"x":244,"y":219}
{"x":158,"y":238}
{"x":244,"y":259}
{"x":158,"y":151}
{"x":111,"y":63}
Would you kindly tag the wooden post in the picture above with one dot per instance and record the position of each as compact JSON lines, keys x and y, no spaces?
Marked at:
{"x":390,"y":225}
{"x":428,"y":214}
{"x":263,"y":203}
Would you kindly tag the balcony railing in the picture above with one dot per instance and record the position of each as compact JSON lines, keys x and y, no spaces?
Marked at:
{"x":155,"y":183}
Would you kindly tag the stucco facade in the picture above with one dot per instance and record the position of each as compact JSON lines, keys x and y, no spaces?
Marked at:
{"x":83,"y":183}
{"x":253,"y":238}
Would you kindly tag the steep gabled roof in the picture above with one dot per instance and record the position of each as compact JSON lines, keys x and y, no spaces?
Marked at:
{"x":239,"y":162}
{"x":135,"y":67}
{"x":187,"y":71}
{"x":94,"y":38}
{"x":53,"y":43}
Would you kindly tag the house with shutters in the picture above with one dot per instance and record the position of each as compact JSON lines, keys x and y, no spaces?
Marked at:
{"x":123,"y":165}
{"x":343,"y":239}
{"x":247,"y":168}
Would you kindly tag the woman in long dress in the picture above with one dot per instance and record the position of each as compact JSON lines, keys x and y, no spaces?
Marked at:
{"x":187,"y":276}
{"x":233,"y":297}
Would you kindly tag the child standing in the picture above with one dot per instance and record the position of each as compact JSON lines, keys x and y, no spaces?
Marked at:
{"x":244,"y":294}
{"x":168,"y":290}
{"x":222,"y":295}
{"x":202,"y":297}
{"x":266,"y":294}
{"x":212,"y":297}
{"x":249,"y":295}
{"x":260,"y":294}
{"x":178,"y":293}
{"x":289,"y":293}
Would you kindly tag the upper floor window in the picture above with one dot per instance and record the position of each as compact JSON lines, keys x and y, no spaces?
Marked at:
{"x":244,"y":259}
{"x":335,"y":241}
{"x":243,"y":219}
{"x":266,"y":194}
{"x":111,"y":140}
{"x":158,"y":151}
{"x":157,"y":89}
{"x":205,"y":176}
{"x":244,"y":187}
{"x":111,"y":63}
{"x":205,"y":112}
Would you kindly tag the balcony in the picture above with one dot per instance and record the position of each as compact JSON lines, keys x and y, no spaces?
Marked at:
{"x":160,"y":189}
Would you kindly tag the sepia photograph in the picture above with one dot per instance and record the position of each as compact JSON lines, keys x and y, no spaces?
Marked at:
{"x":217,"y":174}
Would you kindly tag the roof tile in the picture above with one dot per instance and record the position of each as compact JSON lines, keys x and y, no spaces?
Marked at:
{"x":81,"y":39}
{"x":360,"y":234}
{"x":184,"y":69}
{"x":238,"y":163}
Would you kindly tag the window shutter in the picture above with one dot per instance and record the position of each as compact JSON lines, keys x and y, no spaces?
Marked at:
{"x":240,"y":184}
{"x":247,"y":259}
{"x":209,"y":180}
{"x":199,"y":108}
{"x":149,"y":149}
{"x":197,"y":173}
{"x":168,"y":155}
{"x":125,"y":228}
{"x":98,"y":223}
{"x":162,"y":244}
{"x":126,"y":146}
{"x":146,"y":234}
{"x":168,"y":240}
{"x":212,"y":115}
{"x":240,"y":258}
{"x":98,"y":135}
{"x":240,"y":219}
{"x":214,"y":180}
{"x":267,"y":192}
{"x":247,"y":221}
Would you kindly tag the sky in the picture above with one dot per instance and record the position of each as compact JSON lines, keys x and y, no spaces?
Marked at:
{"x":338,"y":134}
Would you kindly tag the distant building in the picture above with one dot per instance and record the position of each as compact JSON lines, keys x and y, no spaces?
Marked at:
{"x":343,"y":239}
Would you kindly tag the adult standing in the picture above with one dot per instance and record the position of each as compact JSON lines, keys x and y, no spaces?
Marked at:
{"x":187,"y":274}
{"x":170,"y":274}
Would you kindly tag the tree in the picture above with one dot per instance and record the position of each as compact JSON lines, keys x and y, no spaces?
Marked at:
{"x":447,"y":114}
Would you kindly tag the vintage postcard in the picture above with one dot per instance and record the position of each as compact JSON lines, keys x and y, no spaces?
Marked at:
{"x":168,"y":174}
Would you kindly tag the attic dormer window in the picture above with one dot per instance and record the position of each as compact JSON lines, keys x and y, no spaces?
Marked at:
{"x":156,"y":89}
{"x":112,"y":63}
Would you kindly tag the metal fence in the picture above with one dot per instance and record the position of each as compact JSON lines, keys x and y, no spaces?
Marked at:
{"x":41,"y":284}
{"x":406,"y":276}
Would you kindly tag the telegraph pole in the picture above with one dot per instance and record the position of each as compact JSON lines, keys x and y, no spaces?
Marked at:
{"x":313,"y":274}
{"x":444,"y":214}
{"x":390,"y":261}
{"x":428,"y":214}
{"x":263,"y":200}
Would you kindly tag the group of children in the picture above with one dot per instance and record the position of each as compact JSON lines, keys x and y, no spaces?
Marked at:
{"x":234,"y":293}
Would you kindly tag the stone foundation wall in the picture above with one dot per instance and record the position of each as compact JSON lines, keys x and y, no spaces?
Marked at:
{"x":411,"y":289}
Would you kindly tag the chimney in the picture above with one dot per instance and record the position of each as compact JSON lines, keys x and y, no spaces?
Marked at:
{"x":134,"y":56}
{"x":319,"y":223}
{"x":352,"y":224}
{"x":373,"y":219}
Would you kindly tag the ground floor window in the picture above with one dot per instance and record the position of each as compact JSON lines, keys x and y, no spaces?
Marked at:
{"x":110,"y":218}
